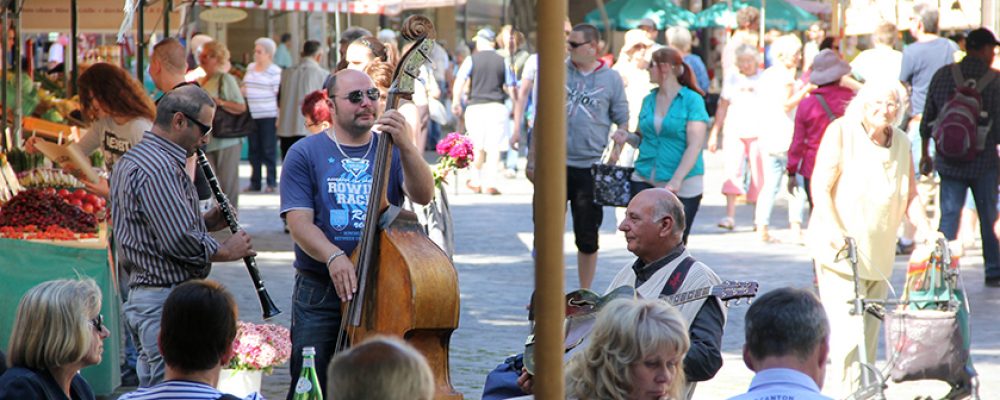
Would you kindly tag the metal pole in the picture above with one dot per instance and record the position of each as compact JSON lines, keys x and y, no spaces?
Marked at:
{"x":167,"y":6}
{"x":140,"y":39}
{"x":74,"y":33}
{"x":18,"y":98}
{"x":3,"y":77}
{"x":336,"y":23}
{"x":550,"y":201}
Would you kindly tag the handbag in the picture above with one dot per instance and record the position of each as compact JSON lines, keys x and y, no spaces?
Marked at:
{"x":612,"y":183}
{"x":226,"y":125}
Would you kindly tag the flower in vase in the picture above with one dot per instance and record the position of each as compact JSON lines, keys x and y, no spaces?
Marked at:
{"x":260,"y":347}
{"x":456,"y":151}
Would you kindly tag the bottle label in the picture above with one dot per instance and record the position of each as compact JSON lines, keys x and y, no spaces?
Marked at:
{"x":303,"y":386}
{"x":308,"y":362}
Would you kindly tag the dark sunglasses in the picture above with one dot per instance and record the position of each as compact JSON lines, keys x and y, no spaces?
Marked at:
{"x":357,"y":96}
{"x":98,"y":323}
{"x":204,"y":129}
{"x":574,"y":45}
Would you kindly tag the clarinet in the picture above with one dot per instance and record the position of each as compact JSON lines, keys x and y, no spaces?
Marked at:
{"x":266,"y":304}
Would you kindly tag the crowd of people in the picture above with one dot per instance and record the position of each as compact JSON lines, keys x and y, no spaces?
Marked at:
{"x":848,"y":138}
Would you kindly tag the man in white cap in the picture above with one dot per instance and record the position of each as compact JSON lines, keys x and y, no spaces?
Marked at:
{"x":486,"y":115}
{"x":649,"y":26}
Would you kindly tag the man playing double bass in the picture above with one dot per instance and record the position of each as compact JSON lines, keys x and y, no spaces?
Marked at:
{"x":325,"y":181}
{"x":653,"y":227}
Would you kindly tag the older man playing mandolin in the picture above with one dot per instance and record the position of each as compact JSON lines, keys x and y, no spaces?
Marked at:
{"x":653,"y":227}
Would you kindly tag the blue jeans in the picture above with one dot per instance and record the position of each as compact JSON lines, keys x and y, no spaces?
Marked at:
{"x":315,"y":322}
{"x":142,"y":317}
{"x":984,"y":192}
{"x":263,"y":152}
{"x":774,"y":170}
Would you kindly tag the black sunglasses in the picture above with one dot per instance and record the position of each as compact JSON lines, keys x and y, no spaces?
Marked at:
{"x":98,"y":323}
{"x":204,"y":129}
{"x":357,"y":96}
{"x":574,"y":45}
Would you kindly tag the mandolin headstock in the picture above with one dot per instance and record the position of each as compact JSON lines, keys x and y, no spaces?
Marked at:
{"x":735,"y":290}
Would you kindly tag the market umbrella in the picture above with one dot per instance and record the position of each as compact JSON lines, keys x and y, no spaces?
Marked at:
{"x":778,"y":14}
{"x":626,"y":14}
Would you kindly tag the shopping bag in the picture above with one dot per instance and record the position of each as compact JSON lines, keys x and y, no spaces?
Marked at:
{"x":612,"y":184}
{"x":925,"y":344}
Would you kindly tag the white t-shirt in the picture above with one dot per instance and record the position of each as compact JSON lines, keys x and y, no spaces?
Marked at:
{"x":113,"y":139}
{"x":262,"y":90}
{"x":743,"y":115}
{"x":56,"y":51}
{"x":773,"y":86}
{"x":878,"y":64}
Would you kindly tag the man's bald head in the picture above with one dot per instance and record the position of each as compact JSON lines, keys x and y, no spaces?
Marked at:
{"x":345,"y":75}
{"x":662,"y":203}
{"x":170,"y":54}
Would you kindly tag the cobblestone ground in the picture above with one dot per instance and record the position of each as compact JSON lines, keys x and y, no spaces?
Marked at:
{"x":493,"y":240}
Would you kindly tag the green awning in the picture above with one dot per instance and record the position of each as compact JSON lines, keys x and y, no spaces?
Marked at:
{"x":779,"y":14}
{"x":626,"y":14}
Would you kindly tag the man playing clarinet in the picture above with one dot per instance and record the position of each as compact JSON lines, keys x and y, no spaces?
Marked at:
{"x":163,"y":238}
{"x":325,"y":183}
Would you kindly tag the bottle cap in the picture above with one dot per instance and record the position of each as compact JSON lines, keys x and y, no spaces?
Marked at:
{"x":309,"y":351}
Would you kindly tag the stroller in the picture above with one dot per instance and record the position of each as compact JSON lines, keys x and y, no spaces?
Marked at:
{"x":927,"y":332}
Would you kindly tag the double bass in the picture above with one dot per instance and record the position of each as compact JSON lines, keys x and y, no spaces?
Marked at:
{"x":407,"y":286}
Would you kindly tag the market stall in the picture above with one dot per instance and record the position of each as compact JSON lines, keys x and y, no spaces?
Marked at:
{"x":50,"y":228}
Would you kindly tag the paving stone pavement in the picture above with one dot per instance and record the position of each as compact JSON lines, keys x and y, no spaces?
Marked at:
{"x":493,"y":240}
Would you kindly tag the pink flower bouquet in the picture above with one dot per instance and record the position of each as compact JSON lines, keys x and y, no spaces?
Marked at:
{"x":456,"y":151}
{"x":260,"y":347}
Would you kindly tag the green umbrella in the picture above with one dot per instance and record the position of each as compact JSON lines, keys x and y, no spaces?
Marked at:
{"x":626,"y":14}
{"x":779,"y":14}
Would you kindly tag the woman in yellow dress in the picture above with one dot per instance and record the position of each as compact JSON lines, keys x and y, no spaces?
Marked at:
{"x":863,"y":184}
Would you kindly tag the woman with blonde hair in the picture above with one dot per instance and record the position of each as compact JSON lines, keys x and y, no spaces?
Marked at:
{"x":224,"y":154}
{"x":737,"y":119}
{"x":636,"y":352}
{"x":58,"y":330}
{"x":863,"y":183}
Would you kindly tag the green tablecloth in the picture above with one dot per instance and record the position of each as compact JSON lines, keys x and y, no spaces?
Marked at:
{"x":25,"y":264}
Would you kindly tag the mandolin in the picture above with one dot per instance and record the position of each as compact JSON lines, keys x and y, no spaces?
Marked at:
{"x":582,"y":307}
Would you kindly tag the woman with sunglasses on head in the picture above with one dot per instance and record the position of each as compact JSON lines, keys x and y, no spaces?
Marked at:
{"x":118,"y":110}
{"x":671,"y":133}
{"x":224,"y":154}
{"x":58,"y":330}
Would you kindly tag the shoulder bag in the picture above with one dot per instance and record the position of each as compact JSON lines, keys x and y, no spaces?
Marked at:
{"x":227,"y":125}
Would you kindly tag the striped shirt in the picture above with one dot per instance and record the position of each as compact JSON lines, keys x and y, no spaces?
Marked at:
{"x":180,"y":390}
{"x":262,"y":91}
{"x":154,"y":209}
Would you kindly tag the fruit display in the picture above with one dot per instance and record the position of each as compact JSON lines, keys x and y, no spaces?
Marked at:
{"x":52,"y":232}
{"x":48,"y":178}
{"x":22,"y":161}
{"x":46,"y":207}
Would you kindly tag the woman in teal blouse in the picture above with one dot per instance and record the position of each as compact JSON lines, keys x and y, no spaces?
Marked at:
{"x":672,"y":126}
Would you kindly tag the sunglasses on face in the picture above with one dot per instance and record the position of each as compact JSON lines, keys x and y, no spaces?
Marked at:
{"x":357,"y":96}
{"x":98,"y":323}
{"x":204,"y":129}
{"x":574,"y":45}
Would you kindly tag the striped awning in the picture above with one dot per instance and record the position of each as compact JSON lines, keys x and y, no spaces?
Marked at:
{"x":388,"y":7}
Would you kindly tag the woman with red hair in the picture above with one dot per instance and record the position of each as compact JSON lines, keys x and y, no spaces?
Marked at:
{"x":316,"y":109}
{"x":671,"y":133}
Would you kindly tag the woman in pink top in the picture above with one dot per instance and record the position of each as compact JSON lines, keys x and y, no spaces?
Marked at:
{"x":824,"y":104}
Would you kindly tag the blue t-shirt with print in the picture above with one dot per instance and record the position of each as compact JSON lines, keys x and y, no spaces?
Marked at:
{"x":316,"y":176}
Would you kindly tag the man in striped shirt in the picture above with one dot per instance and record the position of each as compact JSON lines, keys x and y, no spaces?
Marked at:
{"x":199,"y":326}
{"x":163,"y":238}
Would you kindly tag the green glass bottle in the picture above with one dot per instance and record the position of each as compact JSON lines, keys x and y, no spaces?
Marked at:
{"x":308,"y":388}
